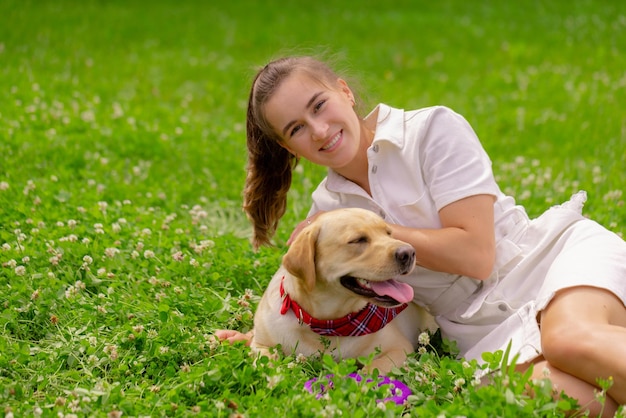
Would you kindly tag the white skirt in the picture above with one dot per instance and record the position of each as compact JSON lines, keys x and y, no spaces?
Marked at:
{"x":558,"y":250}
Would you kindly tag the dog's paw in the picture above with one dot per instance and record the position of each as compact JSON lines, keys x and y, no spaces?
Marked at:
{"x":259,"y":352}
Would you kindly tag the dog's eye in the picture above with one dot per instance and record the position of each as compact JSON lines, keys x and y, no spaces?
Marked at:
{"x":360,"y":240}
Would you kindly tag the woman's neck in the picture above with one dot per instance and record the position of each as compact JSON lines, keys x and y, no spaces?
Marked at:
{"x":358,"y":170}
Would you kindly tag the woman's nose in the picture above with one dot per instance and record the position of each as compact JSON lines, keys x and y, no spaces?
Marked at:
{"x":319,"y":129}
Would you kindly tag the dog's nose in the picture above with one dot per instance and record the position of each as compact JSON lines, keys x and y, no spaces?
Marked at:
{"x":405,"y":256}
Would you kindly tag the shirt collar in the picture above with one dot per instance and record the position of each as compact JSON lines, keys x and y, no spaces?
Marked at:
{"x":389,"y":128}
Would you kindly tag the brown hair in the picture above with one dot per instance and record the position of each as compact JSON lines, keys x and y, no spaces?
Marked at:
{"x":269,"y":164}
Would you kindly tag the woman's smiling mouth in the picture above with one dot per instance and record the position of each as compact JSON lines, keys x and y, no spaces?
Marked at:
{"x":333,"y":141}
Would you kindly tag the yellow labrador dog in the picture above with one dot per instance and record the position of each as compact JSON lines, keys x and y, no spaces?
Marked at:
{"x":338,"y":281}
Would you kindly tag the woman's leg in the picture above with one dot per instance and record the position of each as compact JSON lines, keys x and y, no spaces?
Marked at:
{"x":583,"y":333}
{"x":573,"y":387}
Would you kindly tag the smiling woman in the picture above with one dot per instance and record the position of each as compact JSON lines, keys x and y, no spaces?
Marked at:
{"x":426,"y":174}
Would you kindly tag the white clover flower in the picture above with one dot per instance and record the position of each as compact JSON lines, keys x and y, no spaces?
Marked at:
{"x":148,"y":254}
{"x":424,"y":338}
{"x":4,"y":185}
{"x":111,"y":252}
{"x":20,"y":270}
{"x":87,"y":259}
{"x":178,"y":256}
{"x":71,"y":223}
{"x":88,"y":116}
{"x":6,"y":246}
{"x":70,"y":292}
{"x":118,"y":112}
{"x":115,"y":227}
{"x":11,"y":264}
{"x":273,"y":381}
{"x":164,"y":349}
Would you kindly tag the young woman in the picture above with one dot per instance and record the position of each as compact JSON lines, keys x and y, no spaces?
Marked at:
{"x":553,"y":287}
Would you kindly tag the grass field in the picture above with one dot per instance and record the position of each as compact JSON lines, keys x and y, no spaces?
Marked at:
{"x":122,"y":159}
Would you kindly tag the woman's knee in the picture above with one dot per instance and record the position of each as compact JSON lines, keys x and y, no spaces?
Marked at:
{"x":567,"y":343}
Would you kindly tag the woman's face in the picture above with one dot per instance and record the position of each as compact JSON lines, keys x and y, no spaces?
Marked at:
{"x":314,"y":121}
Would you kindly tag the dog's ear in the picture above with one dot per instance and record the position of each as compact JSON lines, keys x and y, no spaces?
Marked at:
{"x":300,"y":258}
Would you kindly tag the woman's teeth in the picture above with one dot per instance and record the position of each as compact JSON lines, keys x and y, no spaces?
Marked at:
{"x":332,"y":142}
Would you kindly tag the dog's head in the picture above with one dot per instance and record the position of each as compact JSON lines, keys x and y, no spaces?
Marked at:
{"x":351,"y":250}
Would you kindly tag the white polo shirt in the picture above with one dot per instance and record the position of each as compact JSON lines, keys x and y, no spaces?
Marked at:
{"x":419,"y":162}
{"x":423,"y":160}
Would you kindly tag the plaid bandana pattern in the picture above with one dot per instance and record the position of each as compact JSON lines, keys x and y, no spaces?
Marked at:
{"x":370,"y":319}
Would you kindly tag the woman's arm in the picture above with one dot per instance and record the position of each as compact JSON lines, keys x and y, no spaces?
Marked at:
{"x":464,"y":245}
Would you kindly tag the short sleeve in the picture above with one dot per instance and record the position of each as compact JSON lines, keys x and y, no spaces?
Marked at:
{"x":454,"y":164}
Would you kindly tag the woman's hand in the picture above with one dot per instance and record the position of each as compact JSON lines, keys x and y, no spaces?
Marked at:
{"x":233,"y":336}
{"x":465,"y":243}
{"x":308,"y":221}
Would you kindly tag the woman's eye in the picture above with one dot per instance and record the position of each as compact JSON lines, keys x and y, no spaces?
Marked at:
{"x":295,"y":130}
{"x":319,"y":105}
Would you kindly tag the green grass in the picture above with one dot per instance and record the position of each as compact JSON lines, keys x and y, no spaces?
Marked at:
{"x":122,"y":160}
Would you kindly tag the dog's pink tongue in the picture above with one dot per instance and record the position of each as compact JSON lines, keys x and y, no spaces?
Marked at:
{"x":401,"y":292}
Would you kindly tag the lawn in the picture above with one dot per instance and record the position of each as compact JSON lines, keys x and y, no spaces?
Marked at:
{"x":123,"y":245}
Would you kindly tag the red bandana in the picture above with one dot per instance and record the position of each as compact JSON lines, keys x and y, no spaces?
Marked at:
{"x":371,"y":318}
